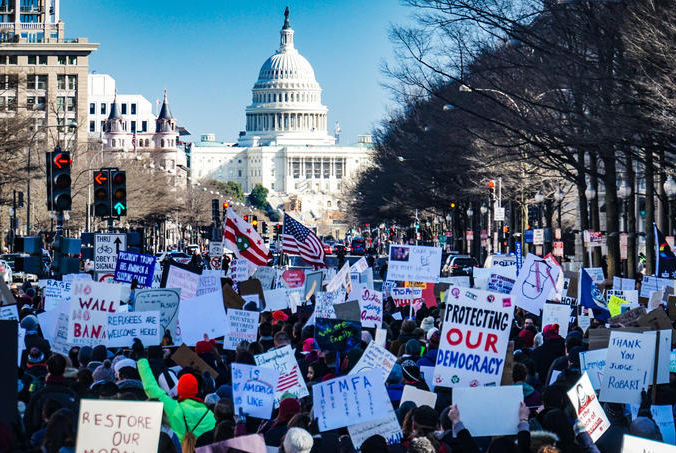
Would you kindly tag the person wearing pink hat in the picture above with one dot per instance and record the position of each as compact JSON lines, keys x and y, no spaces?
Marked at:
{"x":552,"y":348}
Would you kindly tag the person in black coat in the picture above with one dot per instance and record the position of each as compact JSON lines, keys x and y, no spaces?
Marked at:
{"x":553,"y":347}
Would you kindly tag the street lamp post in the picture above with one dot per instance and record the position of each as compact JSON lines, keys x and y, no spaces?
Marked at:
{"x":470,"y":216}
{"x":670,"y":191}
{"x":590,"y":194}
{"x":539,"y":199}
{"x":623,"y":192}
{"x":558,"y":197}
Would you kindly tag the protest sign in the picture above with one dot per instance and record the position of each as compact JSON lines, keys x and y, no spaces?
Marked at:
{"x":500,"y":284}
{"x":596,"y":274}
{"x":588,"y":408}
{"x":650,"y":284}
{"x":381,"y":337}
{"x":504,"y":409}
{"x":663,"y":356}
{"x":201,"y":315}
{"x":419,"y":397}
{"x":387,"y":427}
{"x":460,"y":280}
{"x":474,"y":338}
{"x":265,"y":275}
{"x":124,"y":327}
{"x":109,"y":426}
{"x":632,"y":444}
{"x":187,"y":358}
{"x":620,"y":283}
{"x":179,"y":276}
{"x":253,"y":390}
{"x":252,"y":287}
{"x":230,"y":298}
{"x":164,"y":300}
{"x":414,"y":263}
{"x":290,"y":377}
{"x":615,"y":305}
{"x":403,"y":297}
{"x":313,"y":283}
{"x":342,"y":279}
{"x":9,"y":313}
{"x":132,"y":265}
{"x":8,"y":372}
{"x":324,"y":303}
{"x":90,"y":305}
{"x":55,"y":292}
{"x":348,"y":311}
{"x":241,"y":326}
{"x":294,"y":278}
{"x":209,"y":282}
{"x":536,"y":281}
{"x":593,"y":363}
{"x":553,"y":313}
{"x":629,"y":295}
{"x":350,"y":400}
{"x":276,"y":299}
{"x":628,"y":364}
{"x":336,"y":334}
{"x":663,"y":417}
{"x":239,"y":269}
{"x":375,"y":357}
{"x":371,"y":305}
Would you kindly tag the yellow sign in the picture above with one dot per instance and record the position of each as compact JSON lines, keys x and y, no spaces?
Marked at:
{"x":422,"y":285}
{"x":615,"y":305}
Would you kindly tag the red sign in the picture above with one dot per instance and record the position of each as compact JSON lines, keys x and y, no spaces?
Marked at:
{"x":469,"y":235}
{"x":558,"y":248}
{"x":595,"y":237}
{"x":294,"y":278}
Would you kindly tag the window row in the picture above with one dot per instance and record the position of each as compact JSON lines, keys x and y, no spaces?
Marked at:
{"x":65,"y":60}
{"x":285,"y":122}
{"x":286,"y":97}
{"x":104,"y":108}
{"x":317,"y":167}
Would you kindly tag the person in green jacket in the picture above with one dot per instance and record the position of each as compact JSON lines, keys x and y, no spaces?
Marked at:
{"x":187,"y":412}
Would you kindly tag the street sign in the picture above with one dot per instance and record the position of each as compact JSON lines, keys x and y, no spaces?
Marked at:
{"x":499,"y":215}
{"x":215,"y":248}
{"x":538,"y":236}
{"x":216,"y":262}
{"x":106,"y":248}
{"x":469,"y":235}
{"x":557,"y":234}
{"x":558,"y":248}
{"x":624,"y":242}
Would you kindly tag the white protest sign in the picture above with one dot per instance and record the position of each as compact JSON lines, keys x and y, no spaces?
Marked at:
{"x":164,"y":300}
{"x":209,"y":282}
{"x":556,"y":314}
{"x":201,"y":315}
{"x":414,"y":263}
{"x":253,"y":390}
{"x":342,"y":279}
{"x":474,"y":339}
{"x":110,"y":425}
{"x":628,"y":365}
{"x":241,"y":326}
{"x":266,"y":275}
{"x":504,"y":409}
{"x":500,"y":283}
{"x":124,"y":327}
{"x":375,"y":357}
{"x":623,"y":283}
{"x":596,"y":274}
{"x":629,"y":295}
{"x":9,"y":313}
{"x":387,"y":427}
{"x":381,"y":337}
{"x":178,"y":277}
{"x":70,"y":278}
{"x":593,"y":362}
{"x":404,"y":296}
{"x":460,"y":280}
{"x":324,"y":303}
{"x":419,"y":397}
{"x":632,"y":444}
{"x":106,"y":248}
{"x":588,"y":408}
{"x":360,"y":266}
{"x":663,"y":356}
{"x":650,"y":284}
{"x":276,"y":299}
{"x":239,"y":269}
{"x":20,"y":342}
{"x":290,"y":377}
{"x":90,"y":305}
{"x":664,"y":417}
{"x":55,"y":291}
{"x":535,"y":283}
{"x":371,"y":305}
{"x":350,"y":400}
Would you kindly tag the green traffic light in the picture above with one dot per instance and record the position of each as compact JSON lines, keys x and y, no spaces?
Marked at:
{"x":119,"y":207}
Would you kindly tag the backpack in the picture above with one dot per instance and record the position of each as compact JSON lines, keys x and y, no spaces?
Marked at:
{"x":189,"y":439}
{"x":35,"y":383}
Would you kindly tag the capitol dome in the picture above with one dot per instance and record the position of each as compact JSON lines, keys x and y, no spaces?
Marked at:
{"x":286,"y":103}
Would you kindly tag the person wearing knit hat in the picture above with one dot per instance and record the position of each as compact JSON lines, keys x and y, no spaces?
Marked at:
{"x":297,"y":440}
{"x":550,"y":331}
{"x":308,"y":345}
{"x":374,"y":444}
{"x":84,"y":356}
{"x":119,"y":364}
{"x":646,"y":428}
{"x":552,"y":348}
{"x":427,"y":324}
{"x":99,"y":353}
{"x":279,"y":315}
{"x":104,"y":373}
{"x":527,"y":338}
{"x":30,"y":323}
{"x":288,"y":407}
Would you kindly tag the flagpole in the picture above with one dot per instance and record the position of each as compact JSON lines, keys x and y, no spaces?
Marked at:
{"x":657,"y":250}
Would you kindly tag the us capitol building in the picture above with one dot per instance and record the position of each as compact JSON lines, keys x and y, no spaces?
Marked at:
{"x":285,"y":146}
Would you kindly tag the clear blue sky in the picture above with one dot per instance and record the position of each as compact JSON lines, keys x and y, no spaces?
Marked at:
{"x":207,"y":54}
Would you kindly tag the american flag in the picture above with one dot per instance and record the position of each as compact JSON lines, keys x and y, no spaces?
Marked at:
{"x":298,"y":239}
{"x":288,"y":380}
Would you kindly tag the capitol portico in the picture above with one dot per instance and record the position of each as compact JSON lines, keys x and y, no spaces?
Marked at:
{"x":285,"y":145}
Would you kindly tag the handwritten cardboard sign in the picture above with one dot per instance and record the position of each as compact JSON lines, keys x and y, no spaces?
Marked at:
{"x":403,"y":297}
{"x":132,"y":265}
{"x":387,"y":427}
{"x":109,"y":425}
{"x":90,"y":305}
{"x":241,"y":325}
{"x":371,"y":305}
{"x":553,"y":313}
{"x":209,"y":282}
{"x":253,"y":390}
{"x":588,"y":408}
{"x":414,"y":263}
{"x":593,"y":363}
{"x":336,"y":334}
{"x":474,"y":338}
{"x":290,"y":377}
{"x":535,"y":283}
{"x":183,"y":277}
{"x":124,"y":327}
{"x":324,"y":303}
{"x":164,"y":300}
{"x":375,"y":357}
{"x":349,"y":400}
{"x":628,"y":365}
{"x":55,"y":292}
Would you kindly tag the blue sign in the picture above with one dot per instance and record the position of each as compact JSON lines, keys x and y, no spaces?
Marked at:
{"x":519,"y":256}
{"x":132,"y":265}
{"x":528,"y":236}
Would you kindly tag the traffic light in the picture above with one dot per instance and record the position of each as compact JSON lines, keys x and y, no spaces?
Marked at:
{"x":215,"y":214}
{"x":452,"y":205}
{"x":265,"y":227}
{"x":254,"y":223}
{"x":118,"y":190}
{"x":20,"y":202}
{"x":533,"y":214}
{"x":58,"y":180}
{"x":102,"y":193}
{"x":226,"y":205}
{"x":246,"y":218}
{"x":491,"y":188}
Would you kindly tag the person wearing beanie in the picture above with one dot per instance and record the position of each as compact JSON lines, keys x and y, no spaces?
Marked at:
{"x":427,"y":324}
{"x":646,"y":428}
{"x":288,"y":407}
{"x":187,"y":412}
{"x":84,"y":356}
{"x":527,"y":337}
{"x":430,"y":356}
{"x":278,"y":316}
{"x":394,"y":385}
{"x":412,"y":375}
{"x":104,"y":373}
{"x":34,"y":374}
{"x":99,"y":353}
{"x":297,"y":440}
{"x":552,"y":348}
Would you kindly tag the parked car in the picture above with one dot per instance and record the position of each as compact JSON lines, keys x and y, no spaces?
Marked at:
{"x":458,"y":265}
{"x":328,"y":250}
{"x":500,"y":261}
{"x":358,"y":246}
{"x":6,"y":272}
{"x":18,"y":276}
{"x":179,"y":257}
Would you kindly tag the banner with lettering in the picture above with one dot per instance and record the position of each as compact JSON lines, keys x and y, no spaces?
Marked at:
{"x":132,"y":265}
{"x":336,"y":334}
{"x":474,"y":338}
{"x":290,"y":377}
{"x":253,"y":390}
{"x":90,"y":305}
{"x":371,"y":305}
{"x":414,"y":263}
